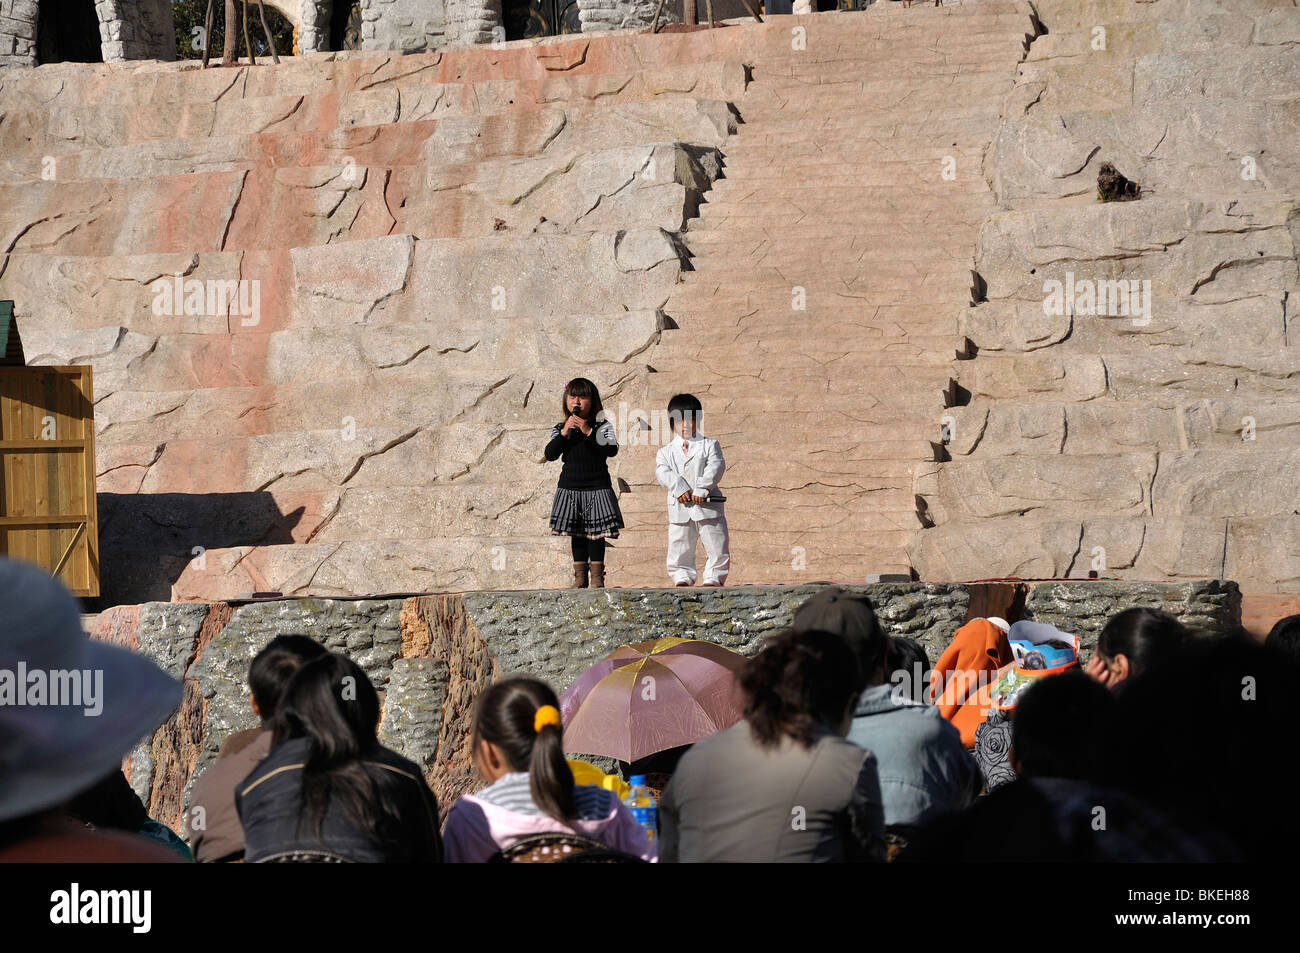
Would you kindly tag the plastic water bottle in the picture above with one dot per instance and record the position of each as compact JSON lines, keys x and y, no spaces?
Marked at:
{"x":642,"y":805}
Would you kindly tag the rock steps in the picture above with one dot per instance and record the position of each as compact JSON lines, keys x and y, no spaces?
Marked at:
{"x":1158,"y":448}
{"x":829,"y":266}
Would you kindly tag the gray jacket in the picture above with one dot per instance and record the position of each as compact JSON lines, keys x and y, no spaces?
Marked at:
{"x":733,"y":801}
{"x":924,"y":769}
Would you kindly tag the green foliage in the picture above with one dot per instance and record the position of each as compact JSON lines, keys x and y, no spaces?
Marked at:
{"x":189,"y":14}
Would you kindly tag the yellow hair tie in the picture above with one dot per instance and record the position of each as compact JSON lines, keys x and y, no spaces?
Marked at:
{"x":546,"y":715}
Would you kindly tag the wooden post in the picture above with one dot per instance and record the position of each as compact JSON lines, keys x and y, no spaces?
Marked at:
{"x":688,"y":12}
{"x":270,"y":40}
{"x":207,"y":34}
{"x":654,"y":27}
{"x":752,"y":11}
{"x":708,"y":8}
{"x":248,"y":43}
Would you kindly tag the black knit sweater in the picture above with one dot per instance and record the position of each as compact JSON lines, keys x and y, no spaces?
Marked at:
{"x":584,"y":457}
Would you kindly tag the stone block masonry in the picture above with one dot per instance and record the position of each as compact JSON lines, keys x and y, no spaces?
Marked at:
{"x":596,"y":15}
{"x":1083,"y":609}
{"x":18,"y":20}
{"x":410,"y":25}
{"x":128,"y":30}
{"x":430,"y":655}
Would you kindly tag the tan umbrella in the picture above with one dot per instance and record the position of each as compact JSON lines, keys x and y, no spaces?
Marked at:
{"x":650,"y":696}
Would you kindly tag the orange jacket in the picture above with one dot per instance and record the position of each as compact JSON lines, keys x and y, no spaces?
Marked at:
{"x":978,"y":646}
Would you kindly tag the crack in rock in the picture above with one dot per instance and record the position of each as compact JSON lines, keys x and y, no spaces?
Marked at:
{"x":478,"y":460}
{"x":482,"y":397}
{"x":384,"y":449}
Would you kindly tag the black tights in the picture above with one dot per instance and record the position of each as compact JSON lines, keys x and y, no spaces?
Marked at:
{"x":588,"y":550}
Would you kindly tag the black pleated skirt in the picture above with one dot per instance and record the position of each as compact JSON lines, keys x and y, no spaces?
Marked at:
{"x":590,"y":513}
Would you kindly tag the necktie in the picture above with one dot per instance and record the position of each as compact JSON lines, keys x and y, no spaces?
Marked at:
{"x":683,"y":446}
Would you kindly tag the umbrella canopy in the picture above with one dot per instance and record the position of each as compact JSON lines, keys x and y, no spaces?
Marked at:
{"x":650,"y":696}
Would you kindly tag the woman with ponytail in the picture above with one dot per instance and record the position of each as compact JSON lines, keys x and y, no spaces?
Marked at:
{"x":518,"y":749}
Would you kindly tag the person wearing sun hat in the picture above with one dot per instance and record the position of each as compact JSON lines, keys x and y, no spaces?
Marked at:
{"x":925,"y":770}
{"x":70,"y":708}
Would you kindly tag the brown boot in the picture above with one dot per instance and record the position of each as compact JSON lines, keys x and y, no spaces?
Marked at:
{"x":579,"y":576}
{"x":598,"y":575}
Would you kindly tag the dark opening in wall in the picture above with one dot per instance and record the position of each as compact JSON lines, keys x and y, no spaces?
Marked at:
{"x":345,"y":25}
{"x":67,"y":31}
{"x":529,"y":18}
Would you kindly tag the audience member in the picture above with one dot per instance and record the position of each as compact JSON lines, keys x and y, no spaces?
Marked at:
{"x":1207,"y":735}
{"x":782,"y":784}
{"x":1057,"y":810}
{"x":328,"y":790}
{"x":923,"y":767}
{"x":51,"y":753}
{"x":1284,"y":638}
{"x":1132,"y":642}
{"x":518,"y":749}
{"x":113,"y":805}
{"x":214,"y":829}
{"x":837,"y":748}
{"x":1041,"y":651}
{"x":909,"y":668}
{"x":1061,"y":728}
{"x":978,"y":654}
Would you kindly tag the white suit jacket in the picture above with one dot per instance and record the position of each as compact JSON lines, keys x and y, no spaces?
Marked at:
{"x":699,"y":473}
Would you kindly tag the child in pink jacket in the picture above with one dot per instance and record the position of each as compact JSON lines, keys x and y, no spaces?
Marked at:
{"x":518,"y":750}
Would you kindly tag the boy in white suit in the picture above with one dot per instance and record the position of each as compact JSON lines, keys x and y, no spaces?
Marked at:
{"x":690,"y":467}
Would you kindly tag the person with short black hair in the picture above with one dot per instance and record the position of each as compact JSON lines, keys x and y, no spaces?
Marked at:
{"x":909,"y":668}
{"x":782,"y":784}
{"x":113,"y":805}
{"x":329,"y":790}
{"x":690,"y":466}
{"x":1067,"y":802}
{"x":1060,"y":727}
{"x":273,"y":668}
{"x":1206,"y":736}
{"x":213,"y":825}
{"x":1134,"y":641}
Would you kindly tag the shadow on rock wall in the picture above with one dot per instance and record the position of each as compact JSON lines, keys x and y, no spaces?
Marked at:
{"x":145,"y":539}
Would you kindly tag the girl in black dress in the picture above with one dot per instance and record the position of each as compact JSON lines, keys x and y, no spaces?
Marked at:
{"x":585,"y":507}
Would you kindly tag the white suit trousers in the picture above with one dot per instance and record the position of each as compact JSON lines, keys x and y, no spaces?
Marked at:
{"x":681,"y":550}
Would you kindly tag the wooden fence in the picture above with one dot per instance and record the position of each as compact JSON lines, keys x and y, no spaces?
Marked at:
{"x":47,"y":472}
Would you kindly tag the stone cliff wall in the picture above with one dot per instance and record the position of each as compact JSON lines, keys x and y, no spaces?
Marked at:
{"x":429,"y":656}
{"x":1151,"y":435}
{"x":422,"y":249}
{"x":427,"y":247}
